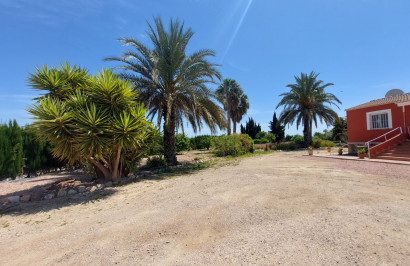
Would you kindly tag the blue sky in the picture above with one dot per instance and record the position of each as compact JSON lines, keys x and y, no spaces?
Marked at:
{"x":362,"y":46}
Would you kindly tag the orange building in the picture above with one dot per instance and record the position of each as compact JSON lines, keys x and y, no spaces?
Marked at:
{"x":379,"y":124}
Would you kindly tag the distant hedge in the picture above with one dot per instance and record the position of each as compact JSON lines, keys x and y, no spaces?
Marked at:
{"x":21,"y":152}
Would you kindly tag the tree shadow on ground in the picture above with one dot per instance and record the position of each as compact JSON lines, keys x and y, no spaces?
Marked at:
{"x":38,"y":187}
{"x":44,"y":205}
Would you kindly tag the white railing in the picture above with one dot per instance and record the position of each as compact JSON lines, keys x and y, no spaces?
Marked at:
{"x":385,"y":138}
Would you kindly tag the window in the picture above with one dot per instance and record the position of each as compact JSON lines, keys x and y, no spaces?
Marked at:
{"x":379,"y":119}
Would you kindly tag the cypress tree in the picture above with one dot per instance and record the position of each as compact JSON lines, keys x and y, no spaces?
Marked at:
{"x":276,"y":128}
{"x":11,"y":144}
{"x":35,"y":152}
{"x":251,"y":128}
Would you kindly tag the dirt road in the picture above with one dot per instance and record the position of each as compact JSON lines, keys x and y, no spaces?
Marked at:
{"x":273,"y":209}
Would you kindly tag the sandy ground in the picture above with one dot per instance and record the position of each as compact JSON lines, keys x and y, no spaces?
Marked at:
{"x":280,"y":208}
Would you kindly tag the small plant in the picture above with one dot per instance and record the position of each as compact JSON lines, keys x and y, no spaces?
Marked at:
{"x":310,"y":148}
{"x":362,"y":151}
{"x":340,"y":151}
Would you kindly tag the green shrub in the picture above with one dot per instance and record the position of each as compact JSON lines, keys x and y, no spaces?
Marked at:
{"x":261,"y":141}
{"x":317,"y":143}
{"x":327,"y":143}
{"x":271,"y":137}
{"x":156,"y":162}
{"x":298,"y":140}
{"x":261,"y":135}
{"x":288,"y":138}
{"x":286,"y":146}
{"x":246,"y":143}
{"x":157,"y":146}
{"x":201,"y":142}
{"x":182,"y":143}
{"x":233,"y":145}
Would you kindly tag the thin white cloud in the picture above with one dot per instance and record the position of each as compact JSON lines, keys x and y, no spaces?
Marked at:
{"x":52,"y":12}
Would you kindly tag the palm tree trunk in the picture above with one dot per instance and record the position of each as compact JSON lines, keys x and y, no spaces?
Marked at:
{"x":307,"y":131}
{"x":169,"y":140}
{"x":234,"y":126}
{"x":228,"y":119}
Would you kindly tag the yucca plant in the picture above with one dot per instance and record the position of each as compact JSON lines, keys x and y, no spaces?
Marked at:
{"x":97,"y":119}
{"x":306,"y":103}
{"x":171,"y":83}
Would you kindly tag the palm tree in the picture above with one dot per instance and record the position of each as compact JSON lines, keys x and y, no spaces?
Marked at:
{"x":305,"y":103}
{"x":234,"y":101}
{"x":100,"y":123}
{"x":171,"y":83}
{"x":240,"y":111}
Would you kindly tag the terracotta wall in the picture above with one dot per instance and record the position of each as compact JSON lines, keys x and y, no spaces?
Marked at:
{"x":408,"y":117}
{"x":357,"y":124}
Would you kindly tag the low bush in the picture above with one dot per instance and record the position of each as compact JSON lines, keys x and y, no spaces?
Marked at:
{"x":246,"y":143}
{"x":317,"y":143}
{"x":182,"y":143}
{"x":271,"y":137}
{"x":156,"y":162}
{"x":298,"y":140}
{"x":201,"y":142}
{"x":233,"y":145}
{"x":261,"y":135}
{"x":261,"y":141}
{"x":286,"y":146}
{"x":157,"y":146}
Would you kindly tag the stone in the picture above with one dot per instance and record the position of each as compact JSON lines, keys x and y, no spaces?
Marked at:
{"x":81,"y":189}
{"x":35,"y":197}
{"x":93,"y":188}
{"x":14,"y":199}
{"x":100,"y":186}
{"x":62,"y":193}
{"x":108,"y":184}
{"x":72,"y":191}
{"x":25,"y":198}
{"x":49,"y":196}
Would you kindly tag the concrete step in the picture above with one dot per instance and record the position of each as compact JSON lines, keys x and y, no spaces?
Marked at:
{"x":407,"y":150}
{"x":391,"y":158}
{"x":396,"y":154}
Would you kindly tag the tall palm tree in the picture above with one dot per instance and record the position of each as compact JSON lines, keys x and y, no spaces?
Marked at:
{"x":230,"y":94}
{"x":305,"y":103}
{"x":172,"y":84}
{"x":240,"y":111}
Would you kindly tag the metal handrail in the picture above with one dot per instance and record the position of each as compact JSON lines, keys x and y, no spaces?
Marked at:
{"x":385,"y":138}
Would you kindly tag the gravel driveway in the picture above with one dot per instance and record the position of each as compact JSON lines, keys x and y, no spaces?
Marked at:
{"x":280,"y":208}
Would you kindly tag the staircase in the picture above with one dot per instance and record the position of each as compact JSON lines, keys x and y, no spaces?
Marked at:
{"x":399,"y":152}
